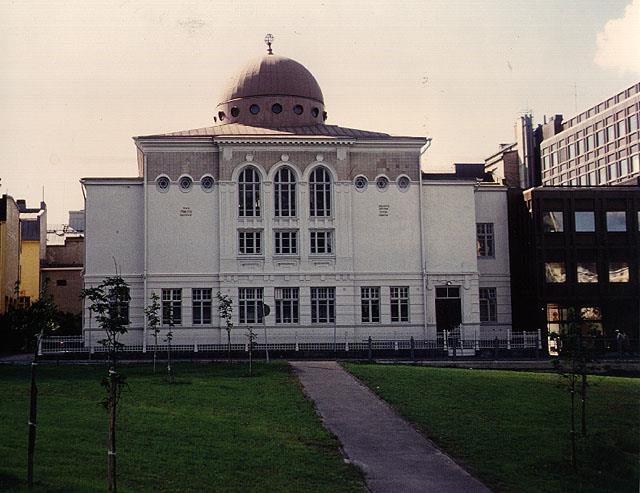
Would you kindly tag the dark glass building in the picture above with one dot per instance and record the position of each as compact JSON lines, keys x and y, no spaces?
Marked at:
{"x":575,"y":258}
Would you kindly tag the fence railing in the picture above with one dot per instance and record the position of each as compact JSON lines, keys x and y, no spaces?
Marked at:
{"x":447,"y":343}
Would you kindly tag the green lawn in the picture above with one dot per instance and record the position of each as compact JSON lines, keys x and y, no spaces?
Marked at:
{"x":511,"y":428}
{"x":215,"y":429}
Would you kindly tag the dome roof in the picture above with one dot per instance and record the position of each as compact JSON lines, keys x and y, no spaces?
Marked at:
{"x":272,"y":92}
{"x":273,"y":75}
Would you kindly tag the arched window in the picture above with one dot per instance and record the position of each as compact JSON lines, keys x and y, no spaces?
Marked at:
{"x":284,"y":193}
{"x":320,"y":192}
{"x":249,"y":192}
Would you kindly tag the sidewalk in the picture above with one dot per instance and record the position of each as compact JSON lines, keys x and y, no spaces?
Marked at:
{"x":392,"y":454}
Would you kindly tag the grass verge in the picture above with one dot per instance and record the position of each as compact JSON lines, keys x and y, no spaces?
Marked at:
{"x":214,"y":429}
{"x":511,"y":429}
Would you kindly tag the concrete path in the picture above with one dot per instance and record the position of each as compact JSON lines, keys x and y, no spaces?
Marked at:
{"x":395,"y":458}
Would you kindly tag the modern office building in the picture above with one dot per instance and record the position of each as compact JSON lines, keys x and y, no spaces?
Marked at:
{"x":600,"y":146}
{"x":583,"y":267}
{"x":336,"y":229}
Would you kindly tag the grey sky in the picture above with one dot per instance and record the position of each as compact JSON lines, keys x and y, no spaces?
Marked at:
{"x":80,"y":78}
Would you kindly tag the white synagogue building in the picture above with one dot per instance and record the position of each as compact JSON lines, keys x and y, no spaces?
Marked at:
{"x":336,"y":229}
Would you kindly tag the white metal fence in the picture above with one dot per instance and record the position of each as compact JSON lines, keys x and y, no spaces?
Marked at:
{"x":444,"y":342}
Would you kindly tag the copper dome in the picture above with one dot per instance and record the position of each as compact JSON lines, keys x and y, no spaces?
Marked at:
{"x":272,"y":91}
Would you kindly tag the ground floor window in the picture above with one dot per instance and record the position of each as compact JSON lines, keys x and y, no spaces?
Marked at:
{"x":201,"y":306}
{"x":583,"y":320}
{"x":370,"y":304}
{"x":250,"y":305}
{"x":399,"y":296}
{"x":488,"y":305}
{"x":323,"y":305}
{"x":287,"y":305}
{"x":172,"y":306}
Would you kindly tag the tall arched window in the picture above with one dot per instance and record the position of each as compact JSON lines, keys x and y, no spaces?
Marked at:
{"x":284,"y":193}
{"x":249,"y":192}
{"x":320,"y":192}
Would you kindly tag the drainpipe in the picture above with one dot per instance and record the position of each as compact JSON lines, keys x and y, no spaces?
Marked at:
{"x":144,"y":272}
{"x":423,"y":265}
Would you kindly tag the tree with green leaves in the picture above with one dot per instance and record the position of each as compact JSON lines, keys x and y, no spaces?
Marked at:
{"x":41,"y":315}
{"x":225,"y":311}
{"x":152,"y":312}
{"x":110,"y":302}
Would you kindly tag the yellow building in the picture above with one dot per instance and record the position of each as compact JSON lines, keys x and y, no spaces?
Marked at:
{"x":9,"y":251}
{"x":33,"y":234}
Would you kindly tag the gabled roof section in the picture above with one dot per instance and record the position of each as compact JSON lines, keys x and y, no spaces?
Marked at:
{"x":238,"y":129}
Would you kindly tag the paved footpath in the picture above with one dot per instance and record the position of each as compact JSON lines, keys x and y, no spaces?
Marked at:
{"x":395,"y":458}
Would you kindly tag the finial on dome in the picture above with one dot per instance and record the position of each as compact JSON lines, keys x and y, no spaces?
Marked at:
{"x":268,"y":39}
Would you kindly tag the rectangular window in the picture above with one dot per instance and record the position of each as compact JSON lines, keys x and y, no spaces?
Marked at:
{"x":555,"y":272}
{"x":488,"y":305}
{"x":370,"y":301}
{"x":323,"y":305}
{"x":448,"y":292}
{"x":399,"y":303}
{"x":250,"y":305}
{"x":585,"y":221}
{"x":287,"y":305}
{"x":621,"y":130}
{"x":61,"y":282}
{"x":590,"y":143}
{"x":201,"y":299}
{"x":618,"y":272}
{"x":286,"y":242}
{"x":616,"y":221}
{"x":586,"y":272}
{"x":635,"y":164}
{"x":171,"y":306}
{"x":632,"y":123}
{"x":485,"y":240}
{"x":553,"y":222}
{"x":610,"y":134}
{"x":250,"y":242}
{"x":119,"y":304}
{"x":321,"y":241}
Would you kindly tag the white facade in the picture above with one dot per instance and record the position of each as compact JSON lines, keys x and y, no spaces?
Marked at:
{"x":187,"y":240}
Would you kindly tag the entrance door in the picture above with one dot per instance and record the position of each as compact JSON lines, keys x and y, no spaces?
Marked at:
{"x":448,"y":308}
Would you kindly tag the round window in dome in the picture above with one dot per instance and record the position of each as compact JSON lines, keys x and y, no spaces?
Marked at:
{"x":221,"y":115}
{"x":382,"y":182}
{"x":162,"y":183}
{"x":235,"y":111}
{"x":185,"y":183}
{"x":298,"y":109}
{"x":254,"y":109}
{"x":276,"y":108}
{"x":403,"y":183}
{"x":207,"y":182}
{"x":315,"y":112}
{"x":361,"y":183}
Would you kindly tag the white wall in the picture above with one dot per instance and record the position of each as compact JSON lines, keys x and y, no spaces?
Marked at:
{"x":491,"y":207}
{"x":192,"y":243}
